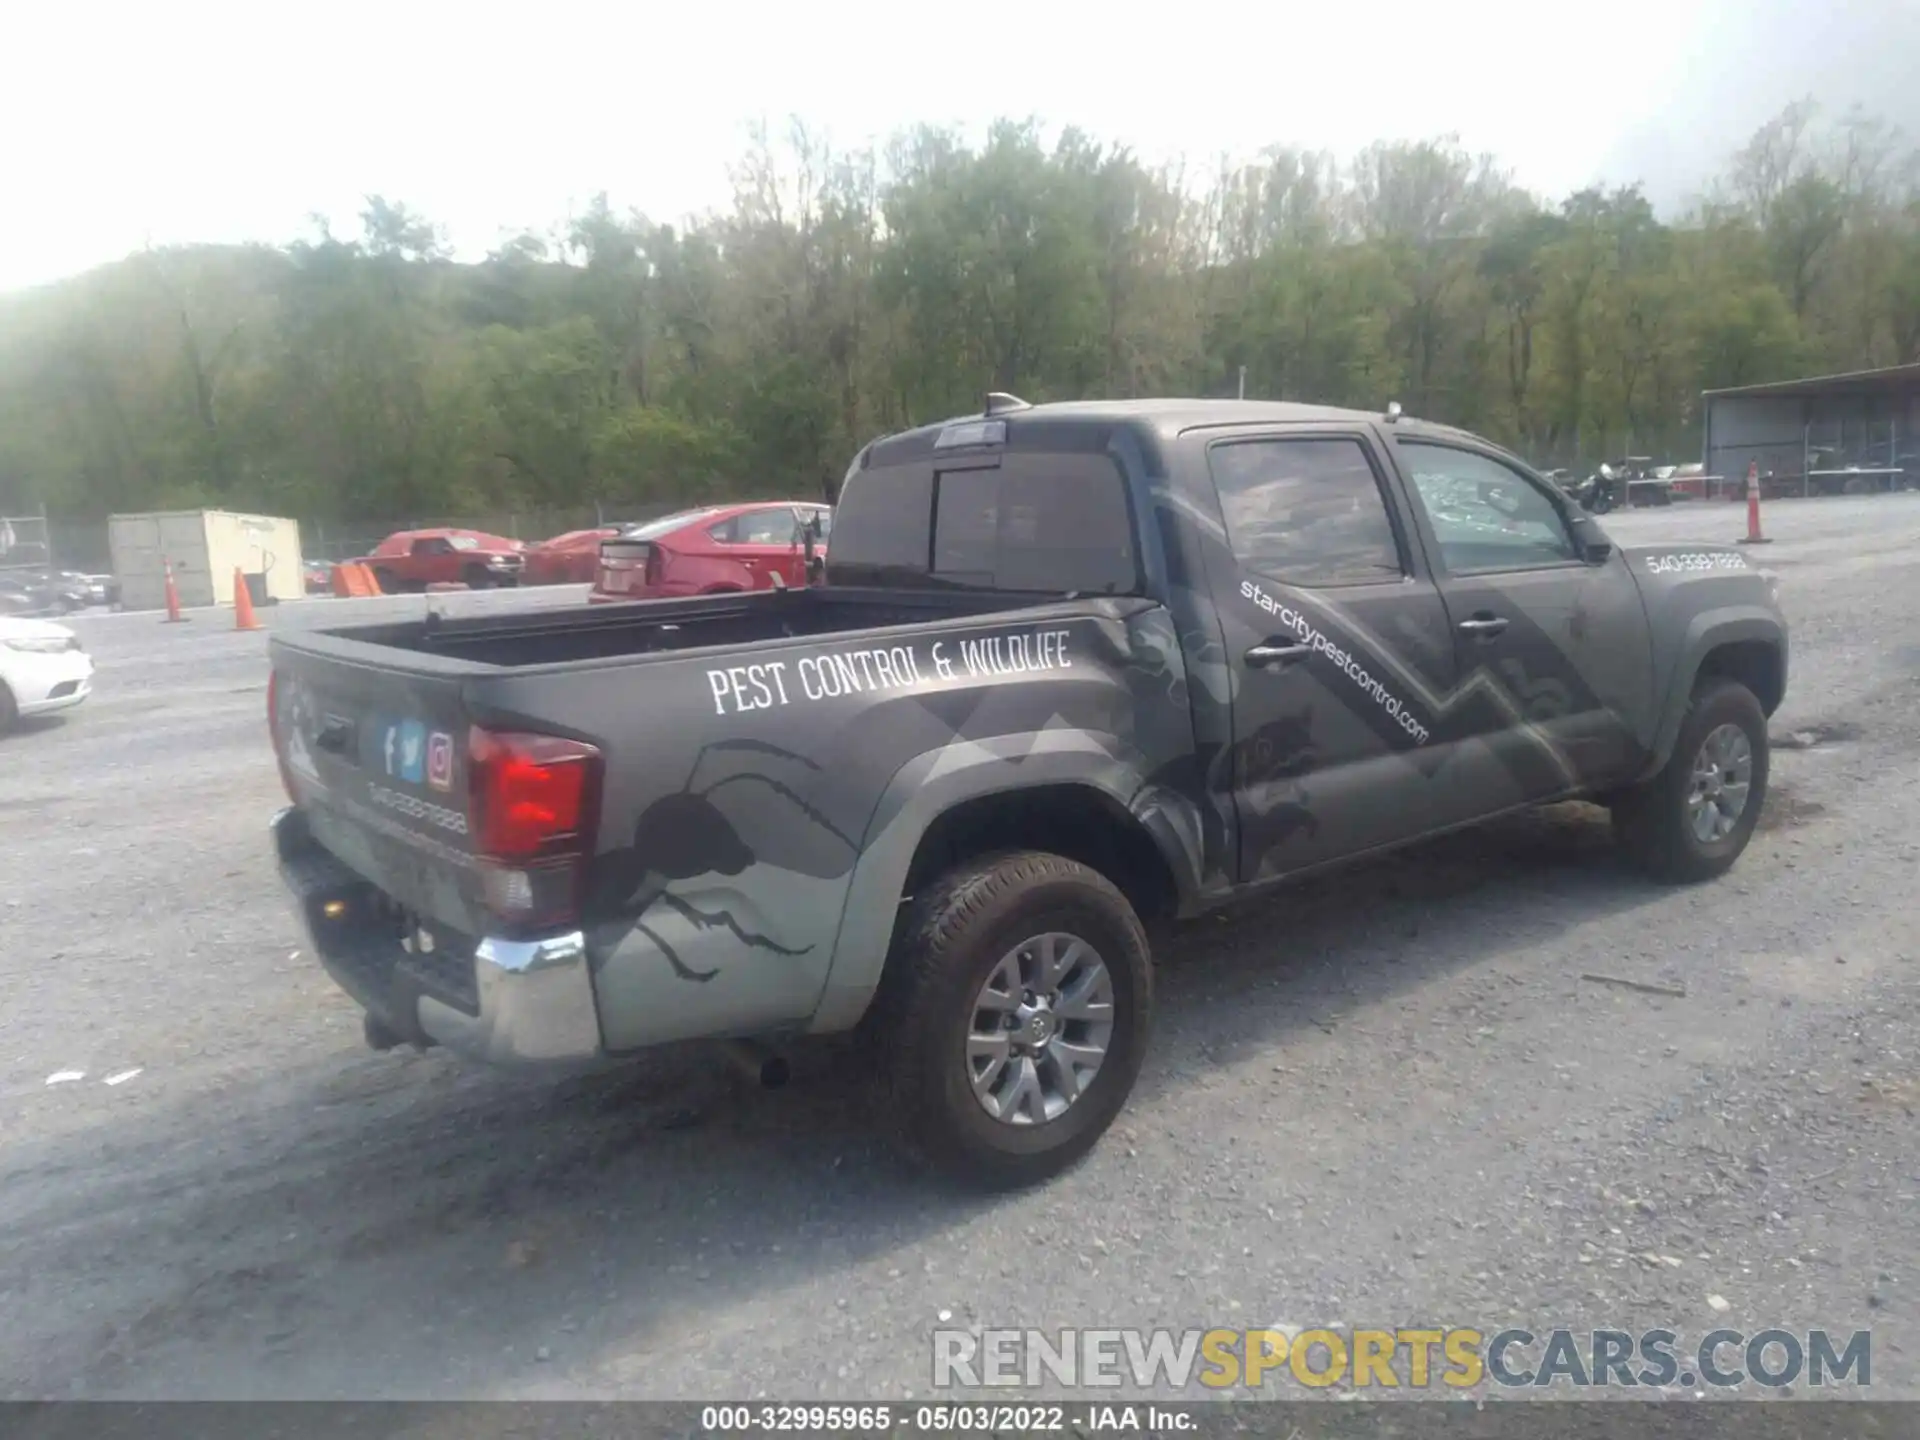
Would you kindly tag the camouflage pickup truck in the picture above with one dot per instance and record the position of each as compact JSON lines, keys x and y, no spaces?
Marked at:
{"x":1074,"y":669}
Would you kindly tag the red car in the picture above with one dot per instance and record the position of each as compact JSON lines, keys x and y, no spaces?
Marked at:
{"x":415,"y":559}
{"x":569,"y":559}
{"x":704,"y":552}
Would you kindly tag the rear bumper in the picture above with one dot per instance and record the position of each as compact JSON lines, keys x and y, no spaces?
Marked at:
{"x":504,"y":1002}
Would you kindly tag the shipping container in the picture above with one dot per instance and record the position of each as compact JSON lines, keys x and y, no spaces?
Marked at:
{"x":204,"y":547}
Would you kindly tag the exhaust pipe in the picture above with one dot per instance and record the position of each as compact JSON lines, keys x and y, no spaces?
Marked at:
{"x":758,"y":1063}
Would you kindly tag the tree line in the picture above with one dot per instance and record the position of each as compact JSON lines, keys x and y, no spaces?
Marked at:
{"x":843,"y":295}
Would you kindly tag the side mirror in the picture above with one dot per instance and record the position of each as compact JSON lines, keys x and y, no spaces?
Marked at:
{"x":1595,"y":546}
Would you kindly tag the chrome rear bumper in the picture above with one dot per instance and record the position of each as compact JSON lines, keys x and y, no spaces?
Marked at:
{"x":505,"y":1002}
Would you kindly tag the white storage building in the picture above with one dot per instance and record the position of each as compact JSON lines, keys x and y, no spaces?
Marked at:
{"x":204,"y":547}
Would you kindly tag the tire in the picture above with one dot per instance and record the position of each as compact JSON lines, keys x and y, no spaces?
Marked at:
{"x":1655,"y":822}
{"x":476,"y":577}
{"x":384,"y":579}
{"x":956,"y":937}
{"x":9,"y":710}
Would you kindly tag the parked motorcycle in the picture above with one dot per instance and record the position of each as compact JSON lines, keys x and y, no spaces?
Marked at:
{"x":1598,"y":493}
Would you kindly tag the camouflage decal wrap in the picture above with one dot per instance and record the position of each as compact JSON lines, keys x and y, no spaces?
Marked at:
{"x":747,"y":792}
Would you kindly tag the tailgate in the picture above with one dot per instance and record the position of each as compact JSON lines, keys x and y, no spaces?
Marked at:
{"x":375,"y":754}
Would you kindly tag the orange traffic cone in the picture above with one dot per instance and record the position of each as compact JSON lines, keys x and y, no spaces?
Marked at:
{"x":1753,"y":535}
{"x":174,"y":617}
{"x":243,"y":618}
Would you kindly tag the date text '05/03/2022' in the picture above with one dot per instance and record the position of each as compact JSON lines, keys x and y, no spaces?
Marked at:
{"x":773,"y":683}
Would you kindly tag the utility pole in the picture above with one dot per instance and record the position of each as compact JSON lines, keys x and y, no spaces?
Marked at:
{"x":1243,"y":382}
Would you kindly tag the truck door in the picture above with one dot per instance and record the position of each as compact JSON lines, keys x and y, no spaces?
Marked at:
{"x":1558,"y":647}
{"x":1337,"y":642}
{"x":432,"y":561}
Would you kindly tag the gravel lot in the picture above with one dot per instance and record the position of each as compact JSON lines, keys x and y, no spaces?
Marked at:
{"x":1386,"y":1098}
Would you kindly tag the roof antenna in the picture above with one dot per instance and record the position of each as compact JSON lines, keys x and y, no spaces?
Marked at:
{"x":1393,"y":411}
{"x":1001,"y":403}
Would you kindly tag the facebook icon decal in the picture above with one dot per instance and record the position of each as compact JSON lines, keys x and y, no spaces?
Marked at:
{"x":403,"y":748}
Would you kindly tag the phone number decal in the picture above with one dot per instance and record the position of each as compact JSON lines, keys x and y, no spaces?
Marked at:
{"x":1694,"y":561}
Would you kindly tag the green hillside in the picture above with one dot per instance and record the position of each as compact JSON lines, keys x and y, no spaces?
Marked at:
{"x":625,"y":361}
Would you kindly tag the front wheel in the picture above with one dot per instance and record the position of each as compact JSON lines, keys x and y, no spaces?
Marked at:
{"x":476,"y":577}
{"x":9,"y":710}
{"x":1692,"y":820}
{"x":1013,"y":1019}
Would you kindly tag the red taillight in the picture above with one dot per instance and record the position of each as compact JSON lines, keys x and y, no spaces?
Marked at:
{"x":532,"y":803}
{"x":530,"y":796}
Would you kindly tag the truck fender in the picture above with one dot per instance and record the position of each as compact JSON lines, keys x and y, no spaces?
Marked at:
{"x":927,"y":787}
{"x":1706,"y":632}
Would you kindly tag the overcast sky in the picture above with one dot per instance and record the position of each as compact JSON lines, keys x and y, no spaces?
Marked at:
{"x":129,"y":122}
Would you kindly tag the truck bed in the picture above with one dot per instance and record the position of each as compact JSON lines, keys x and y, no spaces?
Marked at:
{"x":621,"y":631}
{"x":374,"y":723}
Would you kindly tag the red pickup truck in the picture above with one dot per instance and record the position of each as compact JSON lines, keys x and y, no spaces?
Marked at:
{"x":415,"y":559}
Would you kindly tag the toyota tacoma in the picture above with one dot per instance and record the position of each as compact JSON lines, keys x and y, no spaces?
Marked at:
{"x":1074,"y":669}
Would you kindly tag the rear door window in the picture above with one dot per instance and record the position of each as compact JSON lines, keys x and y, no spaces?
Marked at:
{"x":774,"y":525}
{"x":1306,"y":510}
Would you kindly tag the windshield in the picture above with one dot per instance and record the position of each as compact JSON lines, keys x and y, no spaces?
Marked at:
{"x":463,"y":542}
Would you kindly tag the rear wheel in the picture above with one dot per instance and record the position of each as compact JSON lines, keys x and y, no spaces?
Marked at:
{"x":1013,"y":1019}
{"x":383,"y":577}
{"x":1692,"y":820}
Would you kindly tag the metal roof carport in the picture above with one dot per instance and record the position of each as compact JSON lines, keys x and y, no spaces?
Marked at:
{"x":1860,"y":430}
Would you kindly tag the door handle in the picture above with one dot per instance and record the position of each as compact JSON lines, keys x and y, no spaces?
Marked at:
{"x":1277,"y":654}
{"x":1484,"y":627}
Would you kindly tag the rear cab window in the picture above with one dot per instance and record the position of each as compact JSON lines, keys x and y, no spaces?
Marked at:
{"x":1039,"y":520}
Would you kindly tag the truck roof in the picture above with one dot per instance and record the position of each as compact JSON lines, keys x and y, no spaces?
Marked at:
{"x":1167,"y":416}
